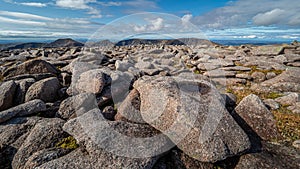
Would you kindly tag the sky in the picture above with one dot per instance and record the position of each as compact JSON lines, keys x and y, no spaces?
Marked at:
{"x":33,"y":20}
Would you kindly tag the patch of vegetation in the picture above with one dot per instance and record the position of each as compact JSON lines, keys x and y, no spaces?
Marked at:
{"x":288,"y":124}
{"x":273,"y":95}
{"x":256,"y":69}
{"x":68,"y":143}
{"x":1,"y":78}
{"x":197,"y":72}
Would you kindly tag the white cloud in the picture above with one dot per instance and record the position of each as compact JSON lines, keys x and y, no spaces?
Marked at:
{"x":152,"y":25}
{"x":80,"y":4}
{"x":21,"y":22}
{"x":24,"y":15}
{"x":156,"y":24}
{"x":243,"y":13}
{"x":186,"y":18}
{"x":268,"y":18}
{"x":35,"y":4}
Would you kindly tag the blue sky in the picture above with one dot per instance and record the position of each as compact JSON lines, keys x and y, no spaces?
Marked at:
{"x":215,"y":19}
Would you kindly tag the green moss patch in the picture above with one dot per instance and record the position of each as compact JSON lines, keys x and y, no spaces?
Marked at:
{"x":68,"y":143}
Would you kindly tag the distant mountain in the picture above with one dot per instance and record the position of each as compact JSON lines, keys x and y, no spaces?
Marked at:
{"x":182,"y":41}
{"x":58,"y":43}
{"x":106,"y":43}
{"x":64,"y":43}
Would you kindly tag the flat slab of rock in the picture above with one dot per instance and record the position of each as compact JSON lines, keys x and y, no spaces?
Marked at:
{"x":253,"y":111}
{"x":30,"y":67}
{"x":7,"y":94}
{"x":25,"y":109}
{"x":46,"y":90}
{"x":91,"y":81}
{"x":117,"y":144}
{"x":268,"y":50}
{"x":192,"y":114}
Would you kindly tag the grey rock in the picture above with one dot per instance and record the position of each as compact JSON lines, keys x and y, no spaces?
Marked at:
{"x":22,"y":88}
{"x":272,"y":156}
{"x":25,"y":109}
{"x":192,"y":114}
{"x":236,"y":68}
{"x":176,"y":159}
{"x":268,"y":50}
{"x":45,"y":134}
{"x":271,"y":104}
{"x":30,"y":67}
{"x":287,"y":81}
{"x":243,"y":76}
{"x":43,"y":156}
{"x":258,"y":76}
{"x":252,"y":110}
{"x":129,"y":110}
{"x":219,"y":73}
{"x":91,"y":81}
{"x":115,"y":151}
{"x":123,"y":65}
{"x":77,"y":159}
{"x":289,"y":99}
{"x":46,"y":90}
{"x":76,"y":105}
{"x":7,"y":94}
{"x":270,"y":75}
{"x":37,"y":77}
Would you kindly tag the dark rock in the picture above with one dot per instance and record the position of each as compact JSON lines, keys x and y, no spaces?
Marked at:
{"x":45,"y":134}
{"x":252,"y":110}
{"x":109,"y":113}
{"x":44,"y":156}
{"x":272,"y":156}
{"x":192,"y":114}
{"x":22,"y":88}
{"x":46,"y":90}
{"x":30,"y":67}
{"x":25,"y":109}
{"x":7,"y":94}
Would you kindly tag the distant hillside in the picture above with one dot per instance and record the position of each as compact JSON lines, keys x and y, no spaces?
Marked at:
{"x":183,"y":41}
{"x":58,"y":43}
{"x":64,"y":43}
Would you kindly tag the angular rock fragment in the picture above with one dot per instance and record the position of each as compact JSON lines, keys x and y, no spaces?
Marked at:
{"x":7,"y":94}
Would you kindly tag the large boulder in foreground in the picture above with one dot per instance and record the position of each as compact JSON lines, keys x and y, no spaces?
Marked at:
{"x":112,"y":144}
{"x":31,"y":67}
{"x":46,"y":90}
{"x":192,"y":114}
{"x":253,"y":111}
{"x":7,"y":93}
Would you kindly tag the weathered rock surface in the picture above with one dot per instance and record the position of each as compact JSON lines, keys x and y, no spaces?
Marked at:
{"x":129,"y":110}
{"x":45,"y":134}
{"x":23,"y":86}
{"x":25,"y":109}
{"x":7,"y":94}
{"x":272,"y":156}
{"x":30,"y":67}
{"x":46,"y":90}
{"x":252,"y":110}
{"x":89,"y":129}
{"x":76,"y":105}
{"x":91,"y":81}
{"x":192,"y":114}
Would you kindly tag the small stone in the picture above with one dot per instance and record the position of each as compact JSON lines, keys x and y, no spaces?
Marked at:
{"x":271,"y":104}
{"x":270,"y":75}
{"x":258,"y":76}
{"x":296,"y":144}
